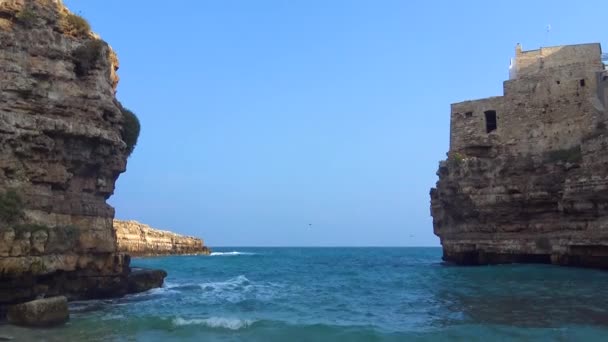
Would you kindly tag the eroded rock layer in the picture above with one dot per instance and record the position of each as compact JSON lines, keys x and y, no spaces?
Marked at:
{"x":514,"y":209}
{"x":137,"y":239}
{"x":526,"y":179}
{"x":61,"y":151}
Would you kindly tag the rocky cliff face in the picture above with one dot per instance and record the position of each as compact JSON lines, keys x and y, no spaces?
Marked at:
{"x":61,"y":151}
{"x":137,"y":239}
{"x":524,"y":209}
{"x":505,"y":201}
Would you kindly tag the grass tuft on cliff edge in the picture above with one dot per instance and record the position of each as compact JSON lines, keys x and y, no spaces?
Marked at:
{"x":75,"y":25}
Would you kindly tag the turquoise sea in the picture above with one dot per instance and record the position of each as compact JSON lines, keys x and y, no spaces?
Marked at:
{"x":343,"y":294}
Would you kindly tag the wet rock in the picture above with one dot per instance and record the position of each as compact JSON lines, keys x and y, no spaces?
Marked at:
{"x":141,"y":279}
{"x":40,"y":312}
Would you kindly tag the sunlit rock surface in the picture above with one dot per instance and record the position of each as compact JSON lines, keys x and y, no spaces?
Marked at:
{"x":137,"y":239}
{"x":61,"y":151}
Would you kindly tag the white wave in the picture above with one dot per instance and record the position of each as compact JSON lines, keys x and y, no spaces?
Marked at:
{"x":169,"y":284}
{"x":215,"y":322}
{"x":230,"y":253}
{"x":238,"y":289}
{"x":159,"y":291}
{"x":236,"y":283}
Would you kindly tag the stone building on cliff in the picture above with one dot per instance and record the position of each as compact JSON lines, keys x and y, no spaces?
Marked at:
{"x":526,"y":179}
{"x":554,"y":97}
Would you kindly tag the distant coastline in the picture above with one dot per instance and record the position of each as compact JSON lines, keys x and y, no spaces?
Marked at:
{"x":141,"y":240}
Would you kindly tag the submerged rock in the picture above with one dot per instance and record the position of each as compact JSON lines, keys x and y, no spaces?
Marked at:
{"x":40,"y":312}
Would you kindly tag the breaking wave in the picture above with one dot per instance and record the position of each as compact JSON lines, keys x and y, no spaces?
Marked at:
{"x":230,"y":253}
{"x":215,"y":322}
{"x":238,"y":289}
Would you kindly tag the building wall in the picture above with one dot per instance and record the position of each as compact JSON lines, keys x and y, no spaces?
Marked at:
{"x":545,"y":59}
{"x":548,"y":105}
{"x":602,"y":90}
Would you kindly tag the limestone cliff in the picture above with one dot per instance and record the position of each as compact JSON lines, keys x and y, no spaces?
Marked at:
{"x":526,"y":179}
{"x":61,"y":151}
{"x":137,"y":239}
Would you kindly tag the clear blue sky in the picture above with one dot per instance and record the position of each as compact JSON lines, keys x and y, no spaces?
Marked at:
{"x":260,"y":117}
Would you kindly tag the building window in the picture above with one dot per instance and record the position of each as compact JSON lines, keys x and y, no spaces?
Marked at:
{"x":490,"y":120}
{"x":468,"y":114}
{"x":582,"y":82}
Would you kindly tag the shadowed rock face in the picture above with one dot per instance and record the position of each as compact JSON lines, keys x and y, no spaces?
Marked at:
{"x":61,"y":152}
{"x":40,"y":312}
{"x":141,"y":280}
{"x":137,"y":239}
{"x":503,"y":210}
{"x":536,"y":191}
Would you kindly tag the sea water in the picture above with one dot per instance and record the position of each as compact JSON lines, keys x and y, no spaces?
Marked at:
{"x":343,"y":294}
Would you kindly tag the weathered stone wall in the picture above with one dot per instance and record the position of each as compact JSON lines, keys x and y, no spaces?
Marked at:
{"x":546,"y":61}
{"x":137,"y":239}
{"x":61,"y":152}
{"x":535,"y":190}
{"x":543,"y":109}
{"x":525,"y":209}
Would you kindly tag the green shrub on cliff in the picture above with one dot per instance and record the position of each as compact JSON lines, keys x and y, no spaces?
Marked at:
{"x":26,"y":17}
{"x":455,"y":159}
{"x":75,"y":25}
{"x":569,"y":155}
{"x":86,"y":56}
{"x":22,"y":229}
{"x":130,"y":129}
{"x":11,"y":207}
{"x":37,"y":266}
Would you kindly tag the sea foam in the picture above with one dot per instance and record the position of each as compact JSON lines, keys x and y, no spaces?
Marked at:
{"x":215,"y":322}
{"x":238,"y":289}
{"x":230,"y":284}
{"x":233,"y":253}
